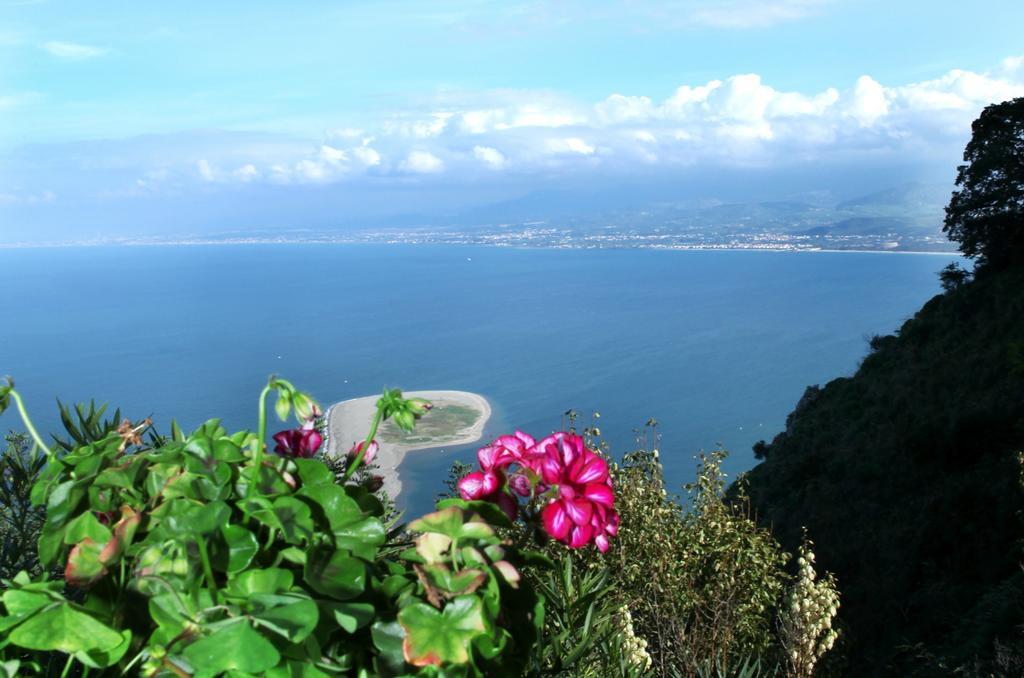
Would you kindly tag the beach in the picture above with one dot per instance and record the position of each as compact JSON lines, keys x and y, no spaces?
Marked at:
{"x":462,"y":414}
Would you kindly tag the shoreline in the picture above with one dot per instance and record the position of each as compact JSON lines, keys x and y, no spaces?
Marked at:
{"x":272,"y":241}
{"x":348,"y":422}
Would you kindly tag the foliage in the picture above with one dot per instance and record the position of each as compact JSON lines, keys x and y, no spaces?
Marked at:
{"x":205,"y":556}
{"x":85,"y":425}
{"x":906,"y":474}
{"x":953,"y":276}
{"x":20,"y":521}
{"x":986,"y":214}
{"x":702,"y":581}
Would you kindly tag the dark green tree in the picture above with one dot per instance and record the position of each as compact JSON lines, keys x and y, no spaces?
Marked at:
{"x":986,"y":213}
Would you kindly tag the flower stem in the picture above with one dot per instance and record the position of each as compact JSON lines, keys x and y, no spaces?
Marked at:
{"x":366,"y":443}
{"x":207,"y":570}
{"x":261,"y":433}
{"x":28,"y":424}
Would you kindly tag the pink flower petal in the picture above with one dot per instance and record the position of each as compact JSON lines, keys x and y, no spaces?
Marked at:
{"x":602,"y":543}
{"x":579,"y":510}
{"x":471,"y":486}
{"x":527,"y":439}
{"x":600,"y":494}
{"x":491,"y":483}
{"x":556,"y":521}
{"x":552,"y":470}
{"x":486,"y":457}
{"x":593,"y":470}
{"x":580,"y":536}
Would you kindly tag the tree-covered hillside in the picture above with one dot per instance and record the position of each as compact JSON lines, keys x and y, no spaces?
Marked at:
{"x":908,"y":478}
{"x":909,"y":474}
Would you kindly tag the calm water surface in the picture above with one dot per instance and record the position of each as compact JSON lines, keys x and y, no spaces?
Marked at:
{"x":717,"y":346}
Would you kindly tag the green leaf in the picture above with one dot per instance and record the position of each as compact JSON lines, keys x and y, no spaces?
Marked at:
{"x":98,"y":659}
{"x":241,"y":548}
{"x":362,"y":537}
{"x":84,"y":566}
{"x":63,"y":501}
{"x":21,"y":603}
{"x":64,"y":629}
{"x":294,"y":620}
{"x":489,"y":511}
{"x":187,"y":518}
{"x":51,"y":540}
{"x":314,"y":472}
{"x":233,"y":647}
{"x":270,"y":580}
{"x":455,"y":523}
{"x":352,"y":616}
{"x":86,"y":526}
{"x":227,"y":451}
{"x":296,"y":519}
{"x":433,"y":637}
{"x":388,"y":638}
{"x":335,"y":573}
{"x":295,"y":669}
{"x":123,"y":475}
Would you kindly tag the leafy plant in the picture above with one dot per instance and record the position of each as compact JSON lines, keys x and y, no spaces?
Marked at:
{"x":206,"y":556}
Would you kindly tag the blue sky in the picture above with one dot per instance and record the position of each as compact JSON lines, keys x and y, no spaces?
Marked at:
{"x":108,"y":110}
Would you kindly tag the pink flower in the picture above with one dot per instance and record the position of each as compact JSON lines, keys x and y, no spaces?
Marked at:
{"x":581,"y":511}
{"x":371,"y":451}
{"x":297,"y":442}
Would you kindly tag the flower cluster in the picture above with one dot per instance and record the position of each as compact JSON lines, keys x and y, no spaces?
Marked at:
{"x":634,"y":647}
{"x":812,"y":605}
{"x":568,"y":482}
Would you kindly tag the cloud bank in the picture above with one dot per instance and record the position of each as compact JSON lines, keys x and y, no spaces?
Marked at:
{"x":736,"y":121}
{"x":533,"y":138}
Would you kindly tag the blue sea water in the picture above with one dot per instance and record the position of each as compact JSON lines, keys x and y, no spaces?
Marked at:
{"x":716,"y":345}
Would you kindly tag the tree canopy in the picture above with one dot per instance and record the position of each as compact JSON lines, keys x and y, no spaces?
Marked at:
{"x":986,"y":213}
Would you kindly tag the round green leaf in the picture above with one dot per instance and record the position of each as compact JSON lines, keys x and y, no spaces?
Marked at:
{"x":241,"y":548}
{"x":234,"y":647}
{"x":65,"y":629}
{"x":433,"y":637}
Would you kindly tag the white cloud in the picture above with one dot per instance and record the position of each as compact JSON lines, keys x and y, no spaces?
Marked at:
{"x":247,"y":173}
{"x":570,"y":145}
{"x":868,"y":102}
{"x":73,"y":51}
{"x":366,"y":155}
{"x":422,"y":162}
{"x":205,"y":170}
{"x":491,"y":157}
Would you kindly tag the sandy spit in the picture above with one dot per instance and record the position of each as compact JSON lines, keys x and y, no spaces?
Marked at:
{"x":348,"y":422}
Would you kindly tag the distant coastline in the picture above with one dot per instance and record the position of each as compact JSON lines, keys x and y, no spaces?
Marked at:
{"x":581,"y":245}
{"x":348,"y":422}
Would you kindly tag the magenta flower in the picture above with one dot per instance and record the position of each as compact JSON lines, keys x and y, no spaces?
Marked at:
{"x":297,"y":442}
{"x":371,"y":451}
{"x":581,"y":510}
{"x":560,"y":469}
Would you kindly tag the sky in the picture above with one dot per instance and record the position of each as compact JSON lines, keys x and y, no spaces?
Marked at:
{"x":178,"y":118}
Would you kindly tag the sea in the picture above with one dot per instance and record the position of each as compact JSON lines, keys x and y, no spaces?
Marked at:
{"x":715,"y":346}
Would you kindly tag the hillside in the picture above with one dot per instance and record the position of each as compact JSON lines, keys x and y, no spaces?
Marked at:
{"x":907,"y":477}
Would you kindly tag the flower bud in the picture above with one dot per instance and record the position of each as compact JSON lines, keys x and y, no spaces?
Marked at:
{"x":306,"y":408}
